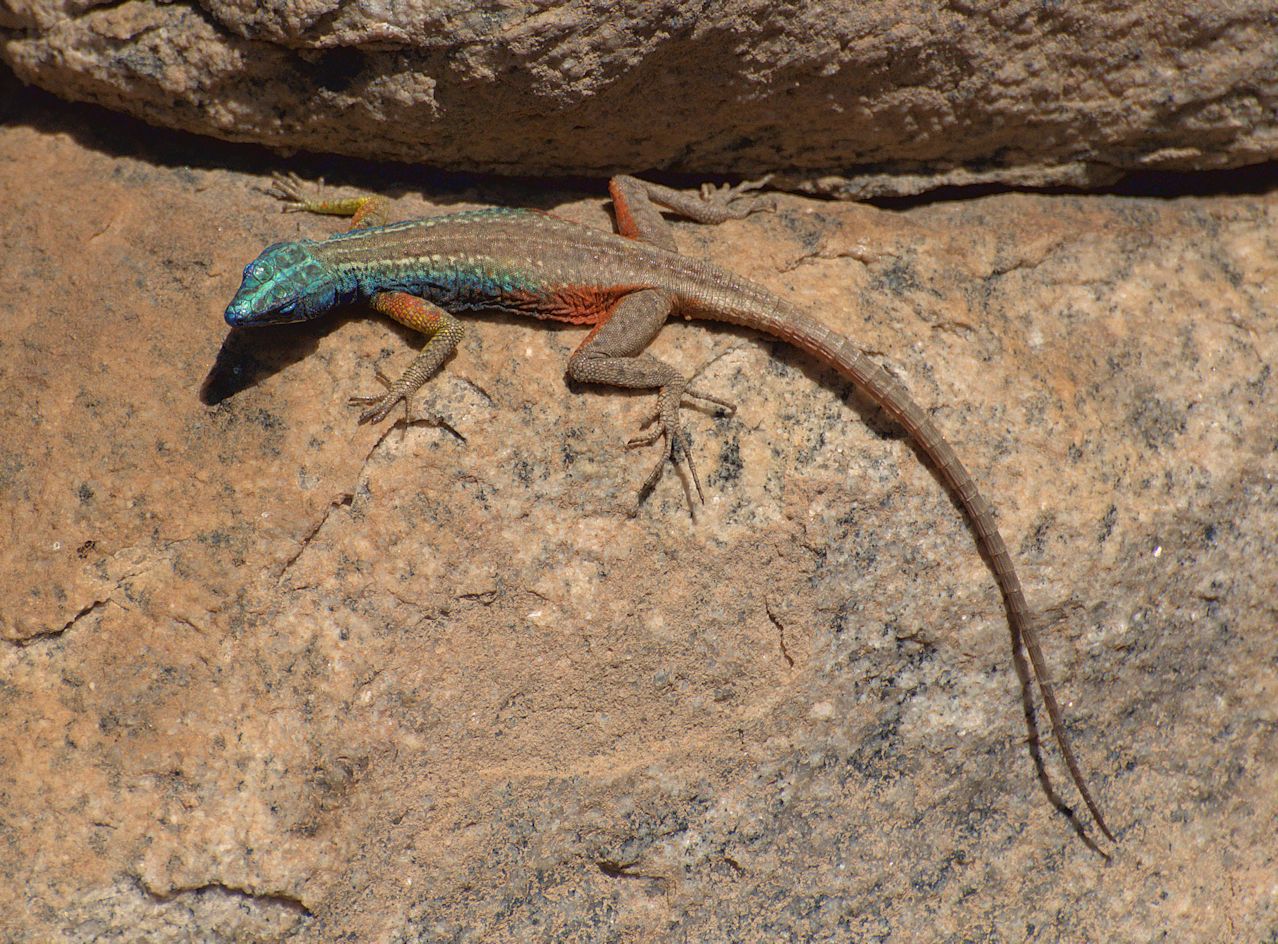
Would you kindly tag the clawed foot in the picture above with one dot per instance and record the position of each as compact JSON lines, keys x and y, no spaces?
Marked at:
{"x":291,"y":190}
{"x":379,"y":407}
{"x":666,"y":424}
{"x":736,"y":201}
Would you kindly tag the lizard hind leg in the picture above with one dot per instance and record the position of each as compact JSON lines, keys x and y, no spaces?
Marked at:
{"x":614,"y":354}
{"x":636,"y":202}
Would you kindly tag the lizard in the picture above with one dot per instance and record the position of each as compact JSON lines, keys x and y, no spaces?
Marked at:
{"x":623,"y":286}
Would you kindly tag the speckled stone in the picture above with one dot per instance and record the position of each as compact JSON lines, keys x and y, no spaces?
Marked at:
{"x":266,"y":674}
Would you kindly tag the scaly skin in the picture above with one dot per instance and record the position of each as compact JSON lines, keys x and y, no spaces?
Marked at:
{"x":625,"y":286}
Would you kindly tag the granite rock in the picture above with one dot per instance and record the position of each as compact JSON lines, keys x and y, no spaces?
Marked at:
{"x":849,"y":99}
{"x":266,"y":674}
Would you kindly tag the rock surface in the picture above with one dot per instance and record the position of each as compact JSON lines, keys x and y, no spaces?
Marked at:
{"x":886,"y":98}
{"x":269,"y":674}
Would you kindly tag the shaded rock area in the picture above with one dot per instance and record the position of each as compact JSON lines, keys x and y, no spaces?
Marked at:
{"x":850,"y":99}
{"x":266,"y":674}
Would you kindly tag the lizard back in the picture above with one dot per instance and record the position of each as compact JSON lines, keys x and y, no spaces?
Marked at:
{"x":530,"y":263}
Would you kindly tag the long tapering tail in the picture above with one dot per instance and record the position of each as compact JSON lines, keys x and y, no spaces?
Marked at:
{"x":791,"y":325}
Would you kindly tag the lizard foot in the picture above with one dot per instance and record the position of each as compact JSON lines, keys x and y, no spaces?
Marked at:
{"x":379,"y":407}
{"x":666,"y":424}
{"x":291,"y":190}
{"x":736,"y":201}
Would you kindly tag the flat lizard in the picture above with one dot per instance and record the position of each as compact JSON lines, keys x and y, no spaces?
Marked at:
{"x":624,"y":286}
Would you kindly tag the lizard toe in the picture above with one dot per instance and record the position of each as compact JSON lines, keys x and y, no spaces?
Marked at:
{"x":379,"y":407}
{"x":666,"y":425}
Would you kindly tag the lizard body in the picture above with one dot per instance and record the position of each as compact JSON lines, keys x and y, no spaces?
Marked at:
{"x":624,"y":286}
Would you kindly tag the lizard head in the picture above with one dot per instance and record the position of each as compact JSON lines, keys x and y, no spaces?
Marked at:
{"x":285,"y":283}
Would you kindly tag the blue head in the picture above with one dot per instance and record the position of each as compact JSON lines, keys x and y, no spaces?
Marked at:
{"x":285,"y":283}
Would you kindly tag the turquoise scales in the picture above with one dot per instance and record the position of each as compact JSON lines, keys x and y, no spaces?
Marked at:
{"x":357,"y":265}
{"x":625,"y":286}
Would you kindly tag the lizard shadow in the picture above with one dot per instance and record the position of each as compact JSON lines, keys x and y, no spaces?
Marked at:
{"x":249,"y":355}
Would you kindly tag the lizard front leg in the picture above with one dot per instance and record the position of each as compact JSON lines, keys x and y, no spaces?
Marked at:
{"x":366,"y":211}
{"x":443,"y":333}
{"x":613,"y":354}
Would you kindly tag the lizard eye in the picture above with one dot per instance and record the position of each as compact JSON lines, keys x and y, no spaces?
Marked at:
{"x":288,"y":309}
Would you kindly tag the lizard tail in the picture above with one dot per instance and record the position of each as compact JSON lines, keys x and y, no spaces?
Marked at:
{"x":791,"y":325}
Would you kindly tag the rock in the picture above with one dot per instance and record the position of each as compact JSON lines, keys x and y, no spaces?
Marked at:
{"x":266,"y":672}
{"x":894,"y":98}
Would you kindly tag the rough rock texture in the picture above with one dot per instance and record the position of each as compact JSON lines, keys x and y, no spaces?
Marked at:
{"x":266,"y":673}
{"x":895,"y":97}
